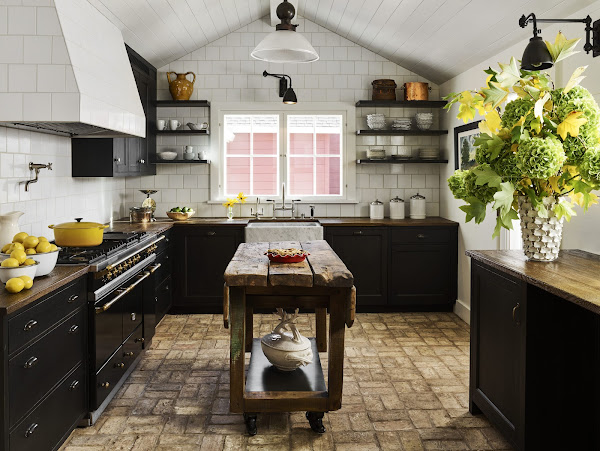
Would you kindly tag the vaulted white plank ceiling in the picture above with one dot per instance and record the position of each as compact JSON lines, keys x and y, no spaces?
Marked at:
{"x":437,"y":39}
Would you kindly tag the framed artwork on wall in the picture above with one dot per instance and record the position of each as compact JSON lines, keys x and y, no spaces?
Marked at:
{"x":464,"y":147}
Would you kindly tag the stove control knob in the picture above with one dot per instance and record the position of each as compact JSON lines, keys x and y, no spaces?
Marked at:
{"x":108,"y":275}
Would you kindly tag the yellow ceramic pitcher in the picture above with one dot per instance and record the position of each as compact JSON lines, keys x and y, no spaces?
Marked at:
{"x":180,"y":87}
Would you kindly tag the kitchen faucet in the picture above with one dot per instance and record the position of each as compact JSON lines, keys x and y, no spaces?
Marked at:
{"x":283,"y":207}
{"x":256,"y":213}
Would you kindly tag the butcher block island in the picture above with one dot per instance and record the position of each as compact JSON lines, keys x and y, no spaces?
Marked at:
{"x":321,"y":283}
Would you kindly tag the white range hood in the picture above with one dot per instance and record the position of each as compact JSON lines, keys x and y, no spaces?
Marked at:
{"x":68,"y":73}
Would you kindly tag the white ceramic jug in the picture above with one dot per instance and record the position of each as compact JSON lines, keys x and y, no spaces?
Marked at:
{"x":9,"y":226}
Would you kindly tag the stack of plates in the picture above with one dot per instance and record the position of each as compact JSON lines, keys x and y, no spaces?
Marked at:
{"x":424,"y":121}
{"x":429,"y":154}
{"x":401,"y":124}
{"x":376,"y":154}
{"x":376,"y":121}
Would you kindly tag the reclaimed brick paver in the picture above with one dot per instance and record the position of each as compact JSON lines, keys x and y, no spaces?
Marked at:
{"x":405,"y":388}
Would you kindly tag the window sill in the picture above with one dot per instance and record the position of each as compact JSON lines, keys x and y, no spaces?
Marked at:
{"x":307,"y":202}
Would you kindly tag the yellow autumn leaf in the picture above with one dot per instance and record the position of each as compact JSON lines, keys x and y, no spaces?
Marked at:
{"x":520,"y":92}
{"x":579,"y":199}
{"x":514,"y":148}
{"x":466,"y":113}
{"x":571,"y":170}
{"x":571,"y":124}
{"x":575,"y":79}
{"x":553,"y":182}
{"x":491,"y":123}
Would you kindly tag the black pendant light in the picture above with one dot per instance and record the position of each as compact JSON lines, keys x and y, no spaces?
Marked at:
{"x":288,"y":94}
{"x":536,"y":55}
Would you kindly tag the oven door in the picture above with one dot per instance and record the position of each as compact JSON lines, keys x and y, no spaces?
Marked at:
{"x":117,"y":315}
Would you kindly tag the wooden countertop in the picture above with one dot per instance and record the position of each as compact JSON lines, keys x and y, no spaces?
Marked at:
{"x":60,"y":276}
{"x":162,"y":224}
{"x":574,"y":276}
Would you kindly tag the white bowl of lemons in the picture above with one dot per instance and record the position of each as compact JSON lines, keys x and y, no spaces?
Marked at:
{"x":35,"y":248}
{"x":10,"y":272}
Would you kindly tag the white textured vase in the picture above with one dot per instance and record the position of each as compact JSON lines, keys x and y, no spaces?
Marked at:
{"x":541,"y":236}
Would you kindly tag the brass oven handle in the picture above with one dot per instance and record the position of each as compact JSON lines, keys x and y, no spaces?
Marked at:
{"x":114,"y":265}
{"x":154,"y":268}
{"x":108,"y":305}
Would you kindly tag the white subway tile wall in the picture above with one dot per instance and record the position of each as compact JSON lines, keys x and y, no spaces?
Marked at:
{"x":226,"y":72}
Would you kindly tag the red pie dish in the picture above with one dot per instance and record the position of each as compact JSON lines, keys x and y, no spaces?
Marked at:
{"x":286,"y":255}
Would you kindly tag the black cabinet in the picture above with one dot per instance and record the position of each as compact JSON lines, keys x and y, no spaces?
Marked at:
{"x":201,"y":254}
{"x":157,"y":305}
{"x":364,"y":250}
{"x":498,"y":332}
{"x":43,"y":370}
{"x":119,"y":157}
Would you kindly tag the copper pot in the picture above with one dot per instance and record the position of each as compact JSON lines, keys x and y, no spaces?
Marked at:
{"x":180,"y":87}
{"x":140,"y":214}
{"x":384,"y":89}
{"x":416,"y":90}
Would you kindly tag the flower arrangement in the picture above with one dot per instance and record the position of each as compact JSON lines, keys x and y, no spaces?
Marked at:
{"x":232,"y":201}
{"x":542,"y":147}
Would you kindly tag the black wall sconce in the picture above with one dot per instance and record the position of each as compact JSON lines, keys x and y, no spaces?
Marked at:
{"x":288,"y":94}
{"x":536,"y":55}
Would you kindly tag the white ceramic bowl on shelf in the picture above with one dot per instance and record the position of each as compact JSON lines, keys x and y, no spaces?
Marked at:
{"x":167,"y":155}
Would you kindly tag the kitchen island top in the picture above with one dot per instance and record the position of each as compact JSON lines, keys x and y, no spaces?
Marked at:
{"x":60,"y":276}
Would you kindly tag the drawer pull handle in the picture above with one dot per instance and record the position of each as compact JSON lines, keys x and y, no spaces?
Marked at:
{"x":211,"y":233}
{"x":128,"y":354}
{"x":73,"y":298}
{"x":167,"y":240}
{"x":30,"y":324}
{"x":514,"y":313}
{"x":73,"y":385}
{"x":357,"y":232}
{"x":30,"y":430}
{"x":166,"y":287}
{"x":133,"y":316}
{"x":119,"y":365}
{"x":139,"y":340}
{"x":74,"y":328}
{"x":31,"y":362}
{"x":105,"y":384}
{"x":421,"y":236}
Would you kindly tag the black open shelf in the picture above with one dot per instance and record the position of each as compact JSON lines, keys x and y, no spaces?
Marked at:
{"x":402,"y":103}
{"x":182,"y":103}
{"x":158,"y":161}
{"x":402,"y":132}
{"x":399,"y":161}
{"x":182,"y":132}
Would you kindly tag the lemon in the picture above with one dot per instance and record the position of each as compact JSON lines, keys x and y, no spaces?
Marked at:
{"x":19,"y":255}
{"x":29,"y":262}
{"x":42,"y":238}
{"x":30,"y":242}
{"x":28,"y":281}
{"x":10,"y":263}
{"x":43,"y":247}
{"x":15,"y":284}
{"x":19,"y":237}
{"x":30,"y":251}
{"x":6,"y":247}
{"x":15,"y":246}
{"x":53,"y":247}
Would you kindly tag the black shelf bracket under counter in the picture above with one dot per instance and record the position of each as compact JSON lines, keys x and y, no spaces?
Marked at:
{"x":402,"y":103}
{"x":399,"y":161}
{"x":402,"y":132}
{"x":182,"y":103}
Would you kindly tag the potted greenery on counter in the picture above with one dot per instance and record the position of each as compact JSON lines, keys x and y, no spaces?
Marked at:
{"x":537,"y":155}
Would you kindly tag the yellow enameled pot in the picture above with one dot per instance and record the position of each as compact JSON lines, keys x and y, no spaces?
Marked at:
{"x":78,"y":234}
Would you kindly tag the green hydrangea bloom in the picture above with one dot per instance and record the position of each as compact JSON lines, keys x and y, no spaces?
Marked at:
{"x":515,"y":110}
{"x":540,"y":158}
{"x":590,"y":166}
{"x":484,"y":193}
{"x":578,"y":99}
{"x":456,"y":183}
{"x":506,"y":167}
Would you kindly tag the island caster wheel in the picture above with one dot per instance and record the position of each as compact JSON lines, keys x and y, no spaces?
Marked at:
{"x":315,"y":419}
{"x":250,"y":420}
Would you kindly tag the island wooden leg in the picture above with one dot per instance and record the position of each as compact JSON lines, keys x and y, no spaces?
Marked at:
{"x":249,"y":326}
{"x":237,"y":324}
{"x":321,"y":326}
{"x":337,"y":324}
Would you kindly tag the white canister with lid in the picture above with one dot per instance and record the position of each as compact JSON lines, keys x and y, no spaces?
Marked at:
{"x":418,"y":207}
{"x":396,"y":208}
{"x":376,"y":210}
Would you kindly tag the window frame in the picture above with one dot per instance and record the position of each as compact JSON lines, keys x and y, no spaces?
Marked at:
{"x":217,"y":152}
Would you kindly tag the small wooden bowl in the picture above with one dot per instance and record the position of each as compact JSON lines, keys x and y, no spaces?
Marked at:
{"x":180,"y":216}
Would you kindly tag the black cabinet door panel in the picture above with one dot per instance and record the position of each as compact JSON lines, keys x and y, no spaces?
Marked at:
{"x":364,"y":251}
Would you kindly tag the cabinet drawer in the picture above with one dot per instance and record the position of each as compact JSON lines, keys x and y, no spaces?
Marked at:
{"x":165,"y":267}
{"x":30,"y":324}
{"x":164,"y":244}
{"x":132,"y":348}
{"x":163,"y":299}
{"x":35,"y":370}
{"x":406,"y":235}
{"x":54,"y":418}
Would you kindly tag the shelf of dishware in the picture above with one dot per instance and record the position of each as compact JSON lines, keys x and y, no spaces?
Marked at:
{"x":182,"y":103}
{"x":159,"y":161}
{"x":402,"y":103}
{"x":182,"y":132}
{"x":399,"y":160}
{"x":384,"y":132}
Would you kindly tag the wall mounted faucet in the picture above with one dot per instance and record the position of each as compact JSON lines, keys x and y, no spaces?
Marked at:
{"x":36,"y":167}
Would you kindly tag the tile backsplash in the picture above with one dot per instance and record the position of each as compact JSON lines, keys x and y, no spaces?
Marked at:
{"x":225,"y":72}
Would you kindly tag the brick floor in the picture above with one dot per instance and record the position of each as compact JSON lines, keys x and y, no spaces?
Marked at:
{"x":405,"y":388}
